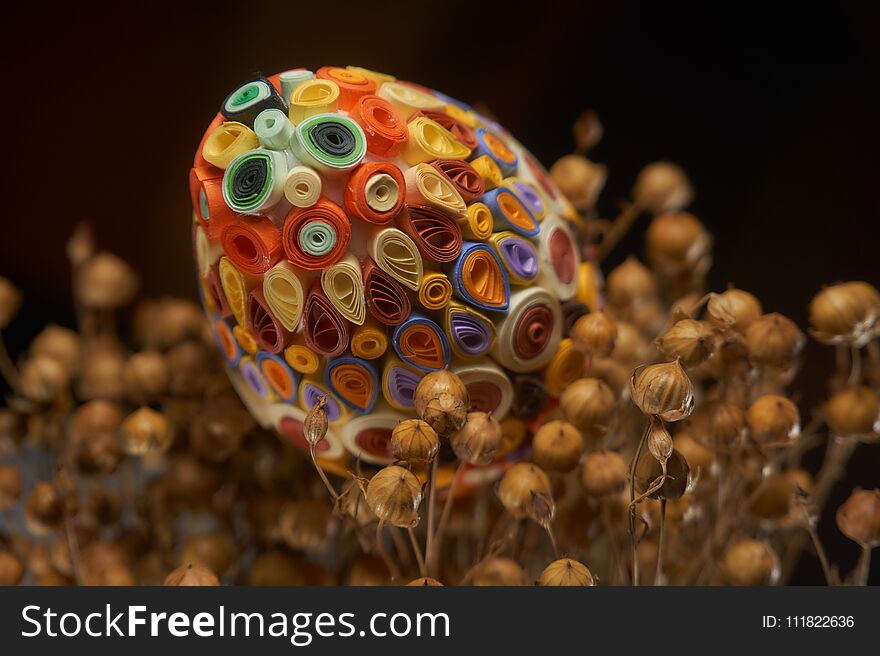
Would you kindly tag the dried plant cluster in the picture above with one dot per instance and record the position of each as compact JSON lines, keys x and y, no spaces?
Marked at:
{"x":675,"y":458}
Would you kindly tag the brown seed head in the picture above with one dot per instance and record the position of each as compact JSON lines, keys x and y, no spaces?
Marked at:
{"x":103,"y":364}
{"x":60,"y":343}
{"x":734,"y":308}
{"x":305,"y":524}
{"x":316,"y":423}
{"x":649,"y":471}
{"x":146,"y":377}
{"x":659,"y":440}
{"x":216,"y":551}
{"x":676,"y":240}
{"x":859,"y":517}
{"x":662,"y":187}
{"x":44,"y":510}
{"x":10,"y":302}
{"x":189,"y":368}
{"x":478,"y":441}
{"x":498,"y":570}
{"x":192,"y":575}
{"x":557,"y":446}
{"x":699,"y":457}
{"x":566,"y":572}
{"x":773,"y":420}
{"x":595,"y":333}
{"x":442,"y":400}
{"x":774,"y":340}
{"x":525,"y":491}
{"x":589,"y":404}
{"x":848,"y":313}
{"x":105,"y":282}
{"x":95,"y":417}
{"x":853,"y":411}
{"x":10,"y":486}
{"x":579,"y":179}
{"x":99,"y":453}
{"x":11,"y":568}
{"x":750,"y":562}
{"x":587,"y":131}
{"x":425,"y":582}
{"x":217,"y":430}
{"x":145,"y":431}
{"x":663,"y":389}
{"x":159,"y":324}
{"x":43,"y":378}
{"x":718,"y":425}
{"x":414,"y":441}
{"x":394,"y":495}
{"x":693,"y":342}
{"x":630,"y":282}
{"x":604,"y":473}
{"x":81,"y":244}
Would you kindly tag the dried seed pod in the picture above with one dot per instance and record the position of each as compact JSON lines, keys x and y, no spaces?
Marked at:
{"x":216,"y":551}
{"x":649,"y":471}
{"x":305,"y":525}
{"x":663,"y":389}
{"x":316,"y":423}
{"x":589,"y":404}
{"x":146,"y":377}
{"x":81,"y":245}
{"x":103,"y":364}
{"x":189,"y":482}
{"x":774,"y":340}
{"x":579,"y":179}
{"x":774,"y":497}
{"x":160,"y":324}
{"x":718,"y":425}
{"x":587,"y":131}
{"x":566,"y":572}
{"x":44,"y":509}
{"x":192,"y":575}
{"x":10,"y":302}
{"x":478,"y":441}
{"x":10,"y":486}
{"x":773,"y":420}
{"x":630,"y":282}
{"x":853,"y":411}
{"x":394,"y":495}
{"x":98,"y":416}
{"x":859,"y":517}
{"x":604,"y":473}
{"x":848,"y":313}
{"x":498,"y":570}
{"x":630,"y":347}
{"x":699,"y":457}
{"x":189,"y":365}
{"x":43,"y":379}
{"x":442,"y":400}
{"x":557,"y":446}
{"x":425,"y":581}
{"x":217,"y":430}
{"x":60,"y":343}
{"x":595,"y":333}
{"x":105,"y":282}
{"x":11,"y":568}
{"x":659,"y":440}
{"x":102,"y":507}
{"x":693,"y":342}
{"x":676,"y":241}
{"x":414,"y":441}
{"x":145,"y":431}
{"x":662,"y":187}
{"x":525,"y":491}
{"x":749,"y":562}
{"x":734,"y":308}
{"x":99,"y":453}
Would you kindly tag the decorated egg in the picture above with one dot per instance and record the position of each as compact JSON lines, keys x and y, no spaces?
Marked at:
{"x":353,"y":232}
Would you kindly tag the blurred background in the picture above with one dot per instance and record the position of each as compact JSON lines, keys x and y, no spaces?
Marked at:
{"x":773,"y":116}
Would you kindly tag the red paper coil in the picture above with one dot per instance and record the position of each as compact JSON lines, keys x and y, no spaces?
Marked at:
{"x":437,"y":236}
{"x":324,"y":210}
{"x":325,"y":330}
{"x":253,"y":244}
{"x":266,"y":329}
{"x":562,"y":255}
{"x":533,"y":332}
{"x":387,"y":301}
{"x":469,"y":183}
{"x":352,"y":85}
{"x":383,"y":125}
{"x":209,"y":179}
{"x":355,"y":197}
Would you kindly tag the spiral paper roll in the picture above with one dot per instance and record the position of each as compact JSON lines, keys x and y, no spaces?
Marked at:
{"x":353,"y":232}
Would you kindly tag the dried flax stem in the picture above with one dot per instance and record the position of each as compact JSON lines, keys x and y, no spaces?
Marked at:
{"x":619,"y":227}
{"x":447,"y":511}
{"x":320,"y":470}
{"x":432,"y":502}
{"x":423,"y":570}
{"x":383,"y":554}
{"x":631,"y":511}
{"x":658,"y":576}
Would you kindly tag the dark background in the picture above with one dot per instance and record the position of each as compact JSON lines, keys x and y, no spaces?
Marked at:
{"x":772,"y":112}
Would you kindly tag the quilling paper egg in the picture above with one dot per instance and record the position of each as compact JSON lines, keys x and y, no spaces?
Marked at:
{"x":352,"y":232}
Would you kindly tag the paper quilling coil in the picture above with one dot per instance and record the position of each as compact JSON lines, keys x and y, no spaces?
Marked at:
{"x":435,"y":291}
{"x":488,"y":386}
{"x":422,"y":343}
{"x":325,"y":330}
{"x":300,"y":357}
{"x":397,"y":255}
{"x":471,"y":334}
{"x":249,"y":99}
{"x":566,"y":366}
{"x":267,"y":330}
{"x":288,"y":421}
{"x":571,"y":312}
{"x":312,"y":97}
{"x":254,"y":181}
{"x":425,"y":185}
{"x":513,"y":435}
{"x":302,"y":187}
{"x":279,"y":376}
{"x":290,"y":80}
{"x":207,"y":251}
{"x":236,"y":287}
{"x":214,"y":288}
{"x":541,"y":177}
{"x":375,"y":76}
{"x":530,"y":333}
{"x":315,"y":237}
{"x":385,"y":129}
{"x":311,"y":389}
{"x":352,"y":84}
{"x":399,"y":382}
{"x":330,"y":143}
{"x":245,"y":339}
{"x":387,"y":301}
{"x":528,"y":195}
{"x":529,"y":396}
{"x":518,"y":255}
{"x":493,"y":146}
{"x":559,"y":258}
{"x":375,"y":192}
{"x":206,"y":191}
{"x":273,"y":129}
{"x":463,"y":133}
{"x":253,"y":244}
{"x":254,"y":379}
{"x":488,"y":170}
{"x":589,"y":282}
{"x":509,"y":213}
{"x":408,"y":99}
{"x":368,"y":437}
{"x":343,"y":286}
{"x":428,"y":140}
{"x":354,"y":381}
{"x":369,"y":340}
{"x":463,"y":176}
{"x":226,"y":341}
{"x":437,"y":236}
{"x":227,"y":142}
{"x":478,"y":222}
{"x":283,"y":291}
{"x":478,"y":277}
{"x":199,"y":158}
